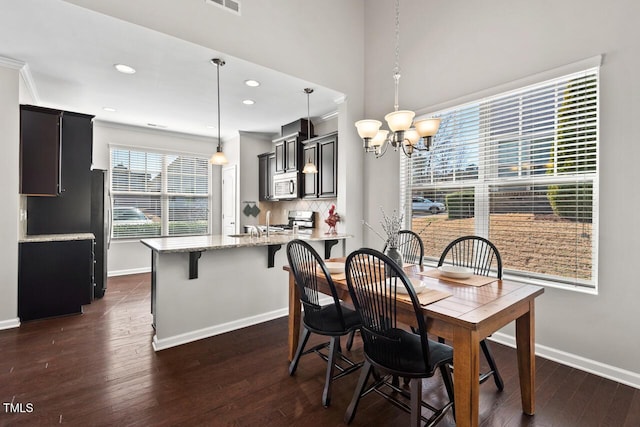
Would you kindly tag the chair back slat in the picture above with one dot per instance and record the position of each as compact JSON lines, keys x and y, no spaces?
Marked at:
{"x":307,"y":265}
{"x":474,"y":252}
{"x":373,"y":280}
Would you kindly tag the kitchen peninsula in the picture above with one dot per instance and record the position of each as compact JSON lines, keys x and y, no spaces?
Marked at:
{"x":207,"y":285}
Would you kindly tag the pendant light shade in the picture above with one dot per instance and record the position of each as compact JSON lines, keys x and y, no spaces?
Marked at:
{"x":399,"y":120}
{"x":218,"y":157}
{"x":368,"y":128}
{"x":427,"y":127}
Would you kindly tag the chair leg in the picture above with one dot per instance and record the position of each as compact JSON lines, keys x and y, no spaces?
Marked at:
{"x":350,"y":339}
{"x":445,"y":370}
{"x":331,"y":364}
{"x":492,"y":365}
{"x":357,"y":394}
{"x":294,"y":363}
{"x":416,"y":402}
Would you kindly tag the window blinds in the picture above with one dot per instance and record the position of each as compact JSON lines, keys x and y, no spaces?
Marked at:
{"x":519,"y":168}
{"x":159,"y":194}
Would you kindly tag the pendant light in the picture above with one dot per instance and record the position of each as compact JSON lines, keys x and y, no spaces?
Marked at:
{"x":401,"y":134}
{"x":309,"y":167}
{"x":218,"y":157}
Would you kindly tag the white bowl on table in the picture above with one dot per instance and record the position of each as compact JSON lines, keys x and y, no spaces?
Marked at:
{"x":455,"y":271}
{"x":335,"y":267}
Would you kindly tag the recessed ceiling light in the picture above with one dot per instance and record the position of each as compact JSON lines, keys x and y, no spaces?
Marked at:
{"x":109,"y":109}
{"x":211,"y":127}
{"x":126,"y":69}
{"x":252,"y":83}
{"x":155,"y":125}
{"x":248,"y":102}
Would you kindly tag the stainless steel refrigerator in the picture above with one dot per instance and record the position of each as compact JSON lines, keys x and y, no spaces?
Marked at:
{"x":101,"y":228}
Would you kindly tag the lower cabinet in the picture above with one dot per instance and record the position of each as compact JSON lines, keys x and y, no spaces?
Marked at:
{"x":54,"y":278}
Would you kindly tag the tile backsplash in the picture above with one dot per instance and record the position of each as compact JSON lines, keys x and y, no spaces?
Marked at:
{"x":279,"y":211}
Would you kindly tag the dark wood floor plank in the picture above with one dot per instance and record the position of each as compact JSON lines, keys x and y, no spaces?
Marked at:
{"x":99,"y":369}
{"x":633,"y":416}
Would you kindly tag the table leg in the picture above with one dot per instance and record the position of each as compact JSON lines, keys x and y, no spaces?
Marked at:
{"x":466,"y":372}
{"x":525,"y":341}
{"x":294,"y":316}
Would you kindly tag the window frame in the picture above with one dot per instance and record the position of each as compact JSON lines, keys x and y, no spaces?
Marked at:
{"x":482,"y":183}
{"x":164,"y":194}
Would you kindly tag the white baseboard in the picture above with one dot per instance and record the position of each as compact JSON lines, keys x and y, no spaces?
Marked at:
{"x":629,"y":378}
{"x":10,"y":323}
{"x":162,"y":344}
{"x":129,"y":271}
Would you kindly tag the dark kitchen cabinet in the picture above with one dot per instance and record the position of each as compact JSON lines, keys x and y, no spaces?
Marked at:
{"x":310,"y":180}
{"x":324,"y":184}
{"x":40,"y":139}
{"x":266,"y":169}
{"x":288,"y":153}
{"x":70,"y":210}
{"x":54,"y":278}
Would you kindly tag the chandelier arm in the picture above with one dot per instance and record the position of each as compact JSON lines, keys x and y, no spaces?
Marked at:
{"x":403,"y":144}
{"x":383,"y":149}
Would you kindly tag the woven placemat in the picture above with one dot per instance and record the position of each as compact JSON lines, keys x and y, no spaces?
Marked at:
{"x":426,"y":296}
{"x":474,"y":280}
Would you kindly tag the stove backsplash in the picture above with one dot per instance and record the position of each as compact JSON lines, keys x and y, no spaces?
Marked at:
{"x":279,"y":210}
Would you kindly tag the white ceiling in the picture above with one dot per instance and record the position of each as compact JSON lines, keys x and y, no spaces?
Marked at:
{"x":70,"y":52}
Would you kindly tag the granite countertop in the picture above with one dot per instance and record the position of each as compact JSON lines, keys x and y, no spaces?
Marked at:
{"x":213,"y":242}
{"x":55,"y":237}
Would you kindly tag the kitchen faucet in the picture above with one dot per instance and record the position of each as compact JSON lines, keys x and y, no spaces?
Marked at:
{"x":268,"y":220}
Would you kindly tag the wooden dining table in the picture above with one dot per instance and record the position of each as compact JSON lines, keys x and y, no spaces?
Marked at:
{"x":468,"y":315}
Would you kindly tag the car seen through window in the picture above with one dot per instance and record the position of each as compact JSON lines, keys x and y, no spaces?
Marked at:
{"x":422,"y":204}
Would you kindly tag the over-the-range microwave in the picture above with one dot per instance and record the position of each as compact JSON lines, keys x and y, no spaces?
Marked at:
{"x":285,"y":186}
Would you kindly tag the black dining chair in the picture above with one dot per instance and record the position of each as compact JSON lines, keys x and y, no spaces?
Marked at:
{"x":391,"y":349}
{"x":332,"y":320}
{"x":483,"y":257}
{"x":410,"y":246}
{"x":412,"y":250}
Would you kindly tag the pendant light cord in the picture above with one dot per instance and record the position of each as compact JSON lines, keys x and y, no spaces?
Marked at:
{"x":218,"y":82}
{"x":396,"y":69}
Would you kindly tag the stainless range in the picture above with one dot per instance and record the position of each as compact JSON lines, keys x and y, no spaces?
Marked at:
{"x":305,"y":220}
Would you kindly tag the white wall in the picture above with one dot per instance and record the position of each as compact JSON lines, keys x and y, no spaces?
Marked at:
{"x":251,"y":144}
{"x":452,"y":49}
{"x":321,"y":42}
{"x":9,"y":171}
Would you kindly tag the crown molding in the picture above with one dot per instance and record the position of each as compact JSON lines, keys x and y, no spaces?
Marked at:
{"x":25,"y":73}
{"x":11,"y":63}
{"x":29,"y":83}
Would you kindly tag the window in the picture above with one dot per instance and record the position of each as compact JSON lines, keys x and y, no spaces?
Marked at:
{"x":159,"y":194}
{"x":519,"y":168}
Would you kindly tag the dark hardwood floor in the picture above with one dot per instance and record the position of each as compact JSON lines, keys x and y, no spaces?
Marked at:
{"x":98,"y":369}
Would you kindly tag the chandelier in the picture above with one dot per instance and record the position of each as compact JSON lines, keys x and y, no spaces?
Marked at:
{"x":403,"y":132}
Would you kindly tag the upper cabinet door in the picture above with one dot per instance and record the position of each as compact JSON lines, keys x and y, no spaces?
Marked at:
{"x":281,"y":161}
{"x":292,"y":154}
{"x":40,"y":151}
{"x":328,"y":154}
{"x":310,"y":180}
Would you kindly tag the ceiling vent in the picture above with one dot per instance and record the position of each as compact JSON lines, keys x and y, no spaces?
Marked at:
{"x":228,"y":5}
